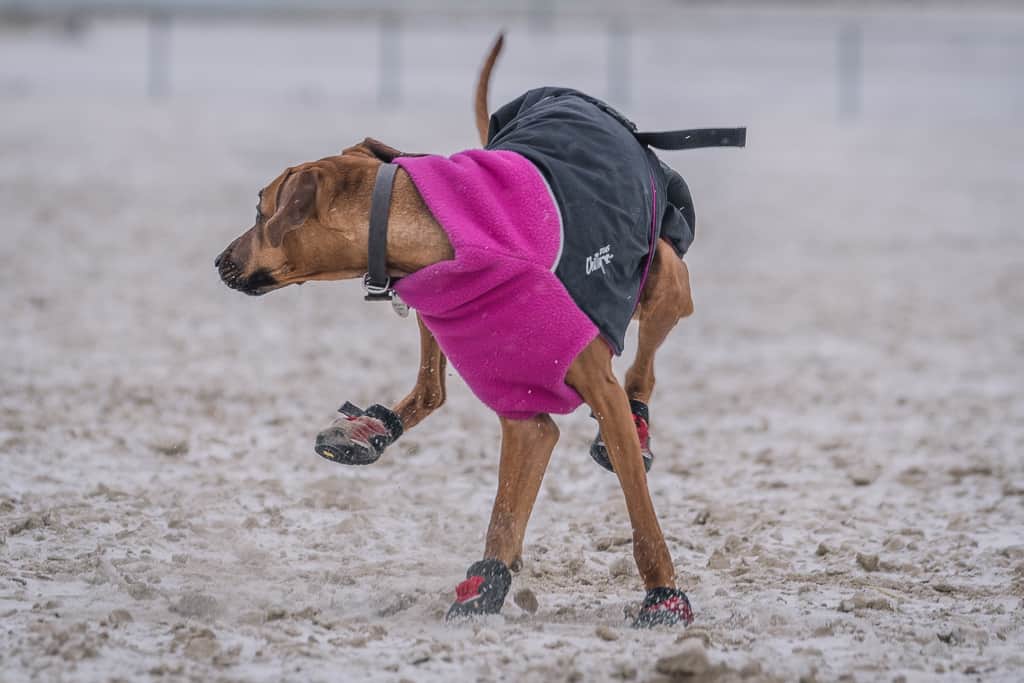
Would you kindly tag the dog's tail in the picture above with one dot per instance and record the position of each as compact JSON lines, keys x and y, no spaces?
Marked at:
{"x":482,"y":113}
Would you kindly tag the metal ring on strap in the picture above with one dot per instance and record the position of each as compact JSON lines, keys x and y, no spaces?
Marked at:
{"x":371,"y":288}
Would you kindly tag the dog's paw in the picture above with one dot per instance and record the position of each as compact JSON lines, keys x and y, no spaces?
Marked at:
{"x":664,"y":607}
{"x":641,"y":418}
{"x":359,"y":437}
{"x":483,"y":592}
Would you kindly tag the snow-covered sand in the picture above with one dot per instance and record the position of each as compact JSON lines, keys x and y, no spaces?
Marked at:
{"x":839,"y":428}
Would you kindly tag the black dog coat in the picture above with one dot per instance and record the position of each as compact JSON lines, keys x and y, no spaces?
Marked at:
{"x":616,"y":197}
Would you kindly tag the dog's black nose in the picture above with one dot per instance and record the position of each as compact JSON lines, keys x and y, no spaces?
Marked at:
{"x":228,"y":270}
{"x":216,"y":261}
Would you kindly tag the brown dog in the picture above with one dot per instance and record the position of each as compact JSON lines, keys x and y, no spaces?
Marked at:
{"x":312,"y":224}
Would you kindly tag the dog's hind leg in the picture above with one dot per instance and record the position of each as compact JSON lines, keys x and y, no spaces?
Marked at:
{"x":359,"y":437}
{"x":665,"y":299}
{"x":592,"y":376}
{"x":526,"y":447}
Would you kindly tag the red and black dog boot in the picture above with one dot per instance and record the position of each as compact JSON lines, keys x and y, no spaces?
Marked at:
{"x":664,"y":607}
{"x":483,"y":592}
{"x":359,"y":436}
{"x":641,"y":418}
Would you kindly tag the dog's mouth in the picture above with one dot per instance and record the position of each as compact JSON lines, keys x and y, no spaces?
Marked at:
{"x":257,"y":284}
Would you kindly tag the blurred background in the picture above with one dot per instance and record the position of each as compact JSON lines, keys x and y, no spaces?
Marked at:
{"x":815,"y":59}
{"x":851,"y":376}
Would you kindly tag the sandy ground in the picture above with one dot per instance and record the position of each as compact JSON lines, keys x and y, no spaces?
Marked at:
{"x":839,"y":428}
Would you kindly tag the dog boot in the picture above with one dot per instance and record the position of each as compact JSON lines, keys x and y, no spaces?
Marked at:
{"x":641,"y":418}
{"x":359,"y":437}
{"x":664,"y":607}
{"x":483,"y":592}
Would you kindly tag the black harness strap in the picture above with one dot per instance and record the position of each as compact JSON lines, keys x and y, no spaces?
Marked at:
{"x":694,"y":138}
{"x":378,"y":285}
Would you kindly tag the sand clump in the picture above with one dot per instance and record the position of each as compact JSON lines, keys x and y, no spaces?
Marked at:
{"x":526,"y":600}
{"x":691,"y":660}
{"x":196,"y":604}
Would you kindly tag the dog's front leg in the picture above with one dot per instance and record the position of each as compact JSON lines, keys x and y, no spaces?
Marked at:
{"x":359,"y":437}
{"x":592,"y":376}
{"x":429,"y":393}
{"x":526,"y":447}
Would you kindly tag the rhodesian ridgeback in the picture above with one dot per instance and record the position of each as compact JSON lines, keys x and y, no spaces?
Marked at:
{"x":312,"y":223}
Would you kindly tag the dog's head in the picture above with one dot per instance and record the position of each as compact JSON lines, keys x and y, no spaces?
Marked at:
{"x":311,"y":223}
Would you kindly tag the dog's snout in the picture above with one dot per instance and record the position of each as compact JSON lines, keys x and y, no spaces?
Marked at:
{"x":232,"y":274}
{"x":216,"y":261}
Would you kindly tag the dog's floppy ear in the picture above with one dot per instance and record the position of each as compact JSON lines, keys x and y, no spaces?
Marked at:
{"x":297,"y":204}
{"x":375,"y":149}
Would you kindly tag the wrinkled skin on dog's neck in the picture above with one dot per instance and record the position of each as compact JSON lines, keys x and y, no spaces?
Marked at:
{"x":312,"y":223}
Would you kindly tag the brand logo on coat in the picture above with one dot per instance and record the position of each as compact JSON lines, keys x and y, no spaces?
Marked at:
{"x":600,"y":259}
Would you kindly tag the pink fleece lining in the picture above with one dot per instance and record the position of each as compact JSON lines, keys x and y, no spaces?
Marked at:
{"x":506,"y":323}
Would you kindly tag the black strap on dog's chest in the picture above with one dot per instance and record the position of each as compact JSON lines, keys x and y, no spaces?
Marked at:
{"x":378,"y":285}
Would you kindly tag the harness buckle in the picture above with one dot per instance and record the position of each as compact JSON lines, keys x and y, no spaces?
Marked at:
{"x":377,"y":292}
{"x":385,"y":292}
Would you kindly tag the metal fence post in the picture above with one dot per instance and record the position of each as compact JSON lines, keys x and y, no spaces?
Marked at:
{"x":389,"y":59}
{"x":850,"y":49}
{"x":158,"y":72}
{"x":618,"y":61}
